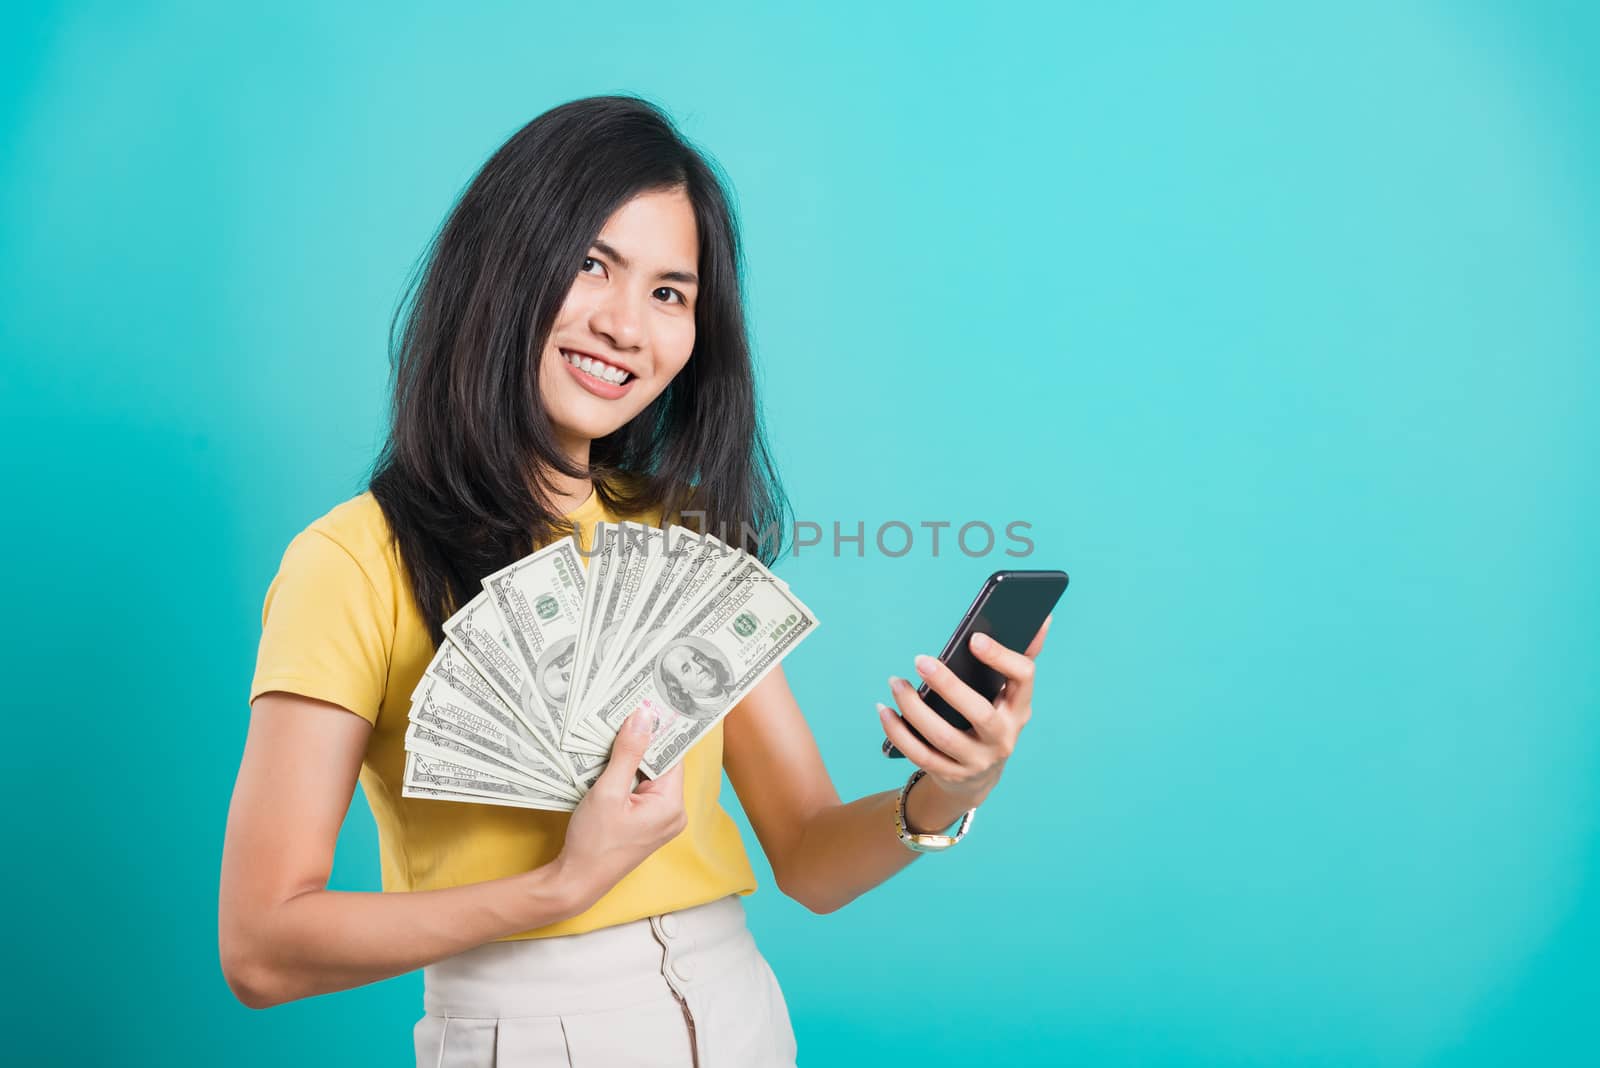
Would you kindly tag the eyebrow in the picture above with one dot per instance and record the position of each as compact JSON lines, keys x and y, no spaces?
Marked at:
{"x":670,"y":276}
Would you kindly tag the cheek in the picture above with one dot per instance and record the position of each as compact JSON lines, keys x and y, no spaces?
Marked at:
{"x":676,"y":345}
{"x":550,"y":372}
{"x":574,"y":312}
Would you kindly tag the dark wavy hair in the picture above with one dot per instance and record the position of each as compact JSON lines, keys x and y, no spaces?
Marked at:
{"x":464,"y":477}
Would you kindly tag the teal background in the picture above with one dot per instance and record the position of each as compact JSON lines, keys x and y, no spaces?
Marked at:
{"x":1278,"y":325}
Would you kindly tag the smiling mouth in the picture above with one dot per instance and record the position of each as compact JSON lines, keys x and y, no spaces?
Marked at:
{"x":599,"y":369}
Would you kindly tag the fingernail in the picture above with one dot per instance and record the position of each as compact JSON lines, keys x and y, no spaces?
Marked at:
{"x":883,"y":709}
{"x":926,"y":665}
{"x":893,"y":682}
{"x":636,"y":723}
{"x":980,"y":640}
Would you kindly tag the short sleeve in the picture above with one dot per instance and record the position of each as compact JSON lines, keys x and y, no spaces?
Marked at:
{"x":326,"y":631}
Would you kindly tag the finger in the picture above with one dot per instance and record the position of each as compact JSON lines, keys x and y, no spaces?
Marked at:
{"x":963,"y":698}
{"x":943,"y":736}
{"x":669,"y":783}
{"x":916,"y":752}
{"x":626,"y":752}
{"x":1017,"y":667}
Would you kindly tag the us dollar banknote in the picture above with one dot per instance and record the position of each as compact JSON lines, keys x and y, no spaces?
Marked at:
{"x":479,"y":632}
{"x":539,"y":599}
{"x":645,"y":551}
{"x":673,"y":622}
{"x":441,"y":708}
{"x":444,"y":780}
{"x":694,"y":676}
{"x":425,"y":742}
{"x":452,"y":667}
{"x":706,"y":561}
{"x":602,"y":556}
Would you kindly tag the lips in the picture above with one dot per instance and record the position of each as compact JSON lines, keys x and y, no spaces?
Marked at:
{"x":597,"y":377}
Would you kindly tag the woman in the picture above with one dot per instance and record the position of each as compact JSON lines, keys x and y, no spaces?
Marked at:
{"x":574,"y":350}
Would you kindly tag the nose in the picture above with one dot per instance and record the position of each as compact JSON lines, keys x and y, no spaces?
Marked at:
{"x":617,"y":319}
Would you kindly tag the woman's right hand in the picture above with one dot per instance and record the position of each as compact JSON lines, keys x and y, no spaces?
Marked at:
{"x":617,"y":825}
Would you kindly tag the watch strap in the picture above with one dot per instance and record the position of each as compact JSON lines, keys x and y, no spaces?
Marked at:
{"x":925,"y":843}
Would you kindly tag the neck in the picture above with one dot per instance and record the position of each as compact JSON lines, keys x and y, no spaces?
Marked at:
{"x":568,"y":493}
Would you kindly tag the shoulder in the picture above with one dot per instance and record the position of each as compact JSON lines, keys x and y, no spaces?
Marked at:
{"x":358,"y":523}
{"x":357,"y":528}
{"x":330,"y":616}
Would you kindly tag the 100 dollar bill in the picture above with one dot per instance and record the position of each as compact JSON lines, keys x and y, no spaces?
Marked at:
{"x":442,"y":708}
{"x":540,"y":600}
{"x":694,"y":675}
{"x":480,"y":633}
{"x":444,"y":780}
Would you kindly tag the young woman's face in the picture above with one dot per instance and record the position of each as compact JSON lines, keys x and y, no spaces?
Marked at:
{"x":627,"y":326}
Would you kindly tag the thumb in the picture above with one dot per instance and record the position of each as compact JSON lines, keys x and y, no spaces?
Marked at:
{"x":628,"y":750}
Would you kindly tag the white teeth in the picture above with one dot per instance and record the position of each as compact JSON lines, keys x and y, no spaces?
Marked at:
{"x":603,"y":371}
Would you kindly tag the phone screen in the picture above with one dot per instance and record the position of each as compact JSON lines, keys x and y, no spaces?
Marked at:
{"x":1010,"y":608}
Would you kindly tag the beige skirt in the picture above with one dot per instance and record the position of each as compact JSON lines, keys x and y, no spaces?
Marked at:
{"x":685,"y":988}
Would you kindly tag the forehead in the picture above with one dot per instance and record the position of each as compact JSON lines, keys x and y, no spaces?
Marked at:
{"x":655,"y":231}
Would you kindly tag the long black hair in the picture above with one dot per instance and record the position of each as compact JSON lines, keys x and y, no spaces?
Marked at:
{"x":464,"y":477}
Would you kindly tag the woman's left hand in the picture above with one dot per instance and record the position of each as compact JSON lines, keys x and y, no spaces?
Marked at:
{"x":965,"y":765}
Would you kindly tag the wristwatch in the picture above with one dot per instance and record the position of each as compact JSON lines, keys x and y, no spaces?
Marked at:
{"x":925,"y":843}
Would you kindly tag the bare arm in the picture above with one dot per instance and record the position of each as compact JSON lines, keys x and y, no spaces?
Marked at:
{"x":283,"y":935}
{"x":825,"y":854}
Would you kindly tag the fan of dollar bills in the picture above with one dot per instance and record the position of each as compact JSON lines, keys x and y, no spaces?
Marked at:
{"x":537,"y":673}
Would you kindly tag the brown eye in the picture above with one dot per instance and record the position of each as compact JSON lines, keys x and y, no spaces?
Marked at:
{"x":670,"y":294}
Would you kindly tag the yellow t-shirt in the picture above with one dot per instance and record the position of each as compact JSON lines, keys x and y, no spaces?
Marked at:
{"x":340,"y":624}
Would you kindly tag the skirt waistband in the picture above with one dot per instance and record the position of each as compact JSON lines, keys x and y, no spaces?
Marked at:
{"x":590,"y":972}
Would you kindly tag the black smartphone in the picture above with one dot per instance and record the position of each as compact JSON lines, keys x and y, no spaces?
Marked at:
{"x":1010,"y":608}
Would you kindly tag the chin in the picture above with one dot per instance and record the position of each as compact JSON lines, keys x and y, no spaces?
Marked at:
{"x":583,"y":421}
{"x":577,"y":413}
{"x":592,"y":429}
